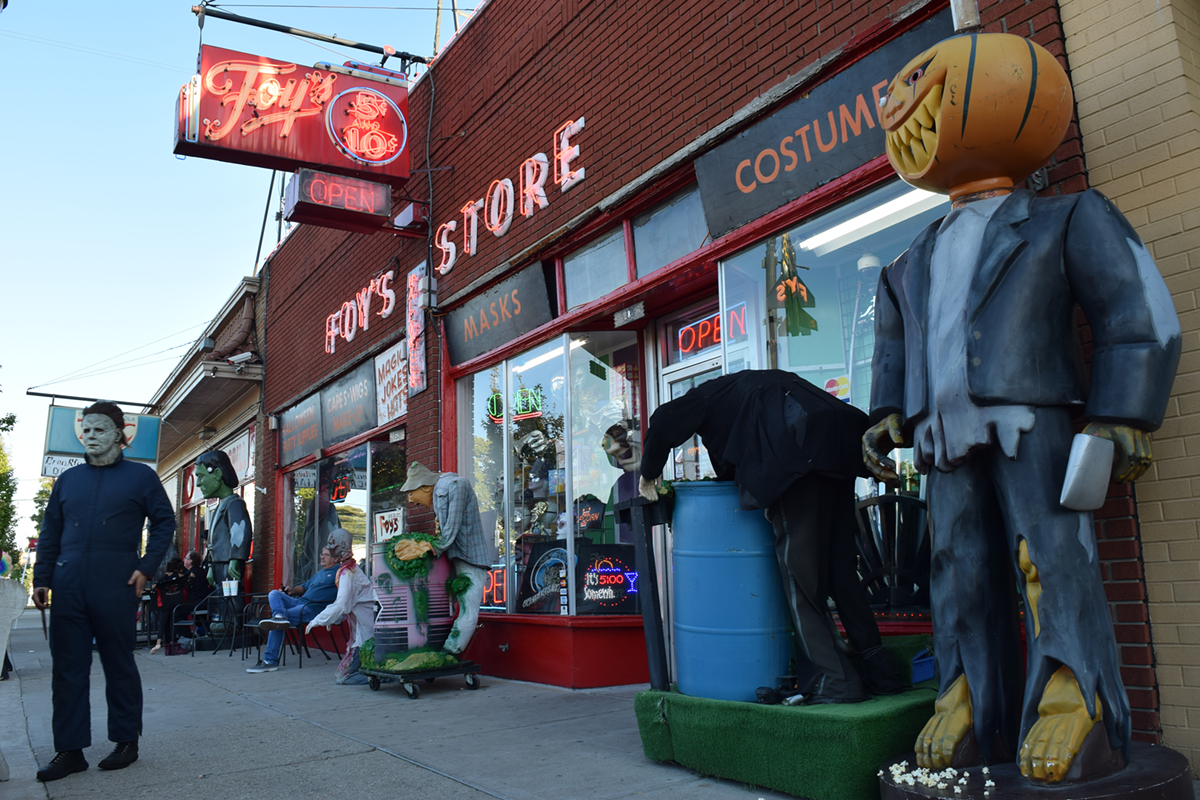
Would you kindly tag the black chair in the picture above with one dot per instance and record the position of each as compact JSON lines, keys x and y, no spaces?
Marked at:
{"x":258,"y":609}
{"x":192,"y":617}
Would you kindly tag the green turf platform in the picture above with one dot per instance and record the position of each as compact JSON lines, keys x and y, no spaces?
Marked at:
{"x":828,"y":752}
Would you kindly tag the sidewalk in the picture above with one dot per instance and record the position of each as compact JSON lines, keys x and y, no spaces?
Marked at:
{"x":213,"y":730}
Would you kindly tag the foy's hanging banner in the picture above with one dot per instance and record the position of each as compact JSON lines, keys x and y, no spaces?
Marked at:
{"x":253,"y":110}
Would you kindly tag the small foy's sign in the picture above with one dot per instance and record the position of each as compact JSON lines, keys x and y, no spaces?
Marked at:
{"x":253,"y":110}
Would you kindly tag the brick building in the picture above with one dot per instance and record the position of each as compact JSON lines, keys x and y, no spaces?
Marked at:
{"x":626,"y":199}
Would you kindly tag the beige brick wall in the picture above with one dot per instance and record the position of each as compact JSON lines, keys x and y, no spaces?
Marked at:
{"x":1135,"y":66}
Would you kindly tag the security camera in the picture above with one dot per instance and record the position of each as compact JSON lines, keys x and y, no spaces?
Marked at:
{"x":240,"y":358}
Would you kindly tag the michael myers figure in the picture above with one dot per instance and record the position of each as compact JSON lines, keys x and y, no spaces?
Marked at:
{"x":793,"y":450}
{"x":88,"y":556}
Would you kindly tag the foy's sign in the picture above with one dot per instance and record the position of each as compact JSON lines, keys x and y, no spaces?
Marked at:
{"x":356,"y":313}
{"x":252,"y":110}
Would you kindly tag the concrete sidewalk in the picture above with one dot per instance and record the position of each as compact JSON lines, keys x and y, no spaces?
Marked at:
{"x":213,"y":730}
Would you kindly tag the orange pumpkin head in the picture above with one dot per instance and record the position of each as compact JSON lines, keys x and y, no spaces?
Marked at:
{"x":976,"y":112}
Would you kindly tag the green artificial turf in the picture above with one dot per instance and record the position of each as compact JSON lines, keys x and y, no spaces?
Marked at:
{"x":826,"y":752}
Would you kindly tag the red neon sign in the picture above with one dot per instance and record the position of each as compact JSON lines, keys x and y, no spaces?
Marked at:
{"x":704,"y":333}
{"x":252,"y":110}
{"x":495,"y":592}
{"x":336,"y":201}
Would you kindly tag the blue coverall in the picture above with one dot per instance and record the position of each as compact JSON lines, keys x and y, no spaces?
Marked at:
{"x":87,"y":551}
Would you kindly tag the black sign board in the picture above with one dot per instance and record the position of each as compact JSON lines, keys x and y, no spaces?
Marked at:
{"x":606,"y":580}
{"x":300,"y":430}
{"x":834,"y":129}
{"x":348,"y":405}
{"x":513,"y":307}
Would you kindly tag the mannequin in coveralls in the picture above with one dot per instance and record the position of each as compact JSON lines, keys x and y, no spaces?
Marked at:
{"x":88,"y":555}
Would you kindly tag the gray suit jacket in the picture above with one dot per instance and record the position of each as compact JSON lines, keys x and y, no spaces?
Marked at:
{"x":1039,"y":259}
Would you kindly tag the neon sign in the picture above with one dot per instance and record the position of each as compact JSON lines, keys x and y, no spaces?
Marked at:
{"x":337,"y":201}
{"x":353,"y":314}
{"x":499,"y":206}
{"x":248,"y":109}
{"x":608,"y":582}
{"x":495,"y":591}
{"x":527,"y":404}
{"x":704,"y":333}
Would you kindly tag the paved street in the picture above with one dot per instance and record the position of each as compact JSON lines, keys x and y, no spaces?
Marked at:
{"x":213,"y":730}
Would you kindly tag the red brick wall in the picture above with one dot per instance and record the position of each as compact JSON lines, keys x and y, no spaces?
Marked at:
{"x":649,"y":78}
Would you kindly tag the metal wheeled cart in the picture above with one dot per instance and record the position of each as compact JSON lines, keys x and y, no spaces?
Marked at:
{"x":410,"y":681}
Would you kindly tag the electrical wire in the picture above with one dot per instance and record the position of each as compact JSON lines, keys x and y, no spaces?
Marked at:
{"x":75,"y":373}
{"x":141,"y":62}
{"x":304,"y":5}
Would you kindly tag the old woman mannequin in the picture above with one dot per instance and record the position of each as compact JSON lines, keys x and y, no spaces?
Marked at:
{"x":355,"y":602}
{"x":88,"y":556}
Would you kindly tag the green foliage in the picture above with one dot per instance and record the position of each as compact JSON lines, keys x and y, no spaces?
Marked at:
{"x":39,"y":502}
{"x":8,"y":492}
{"x":458,"y":585}
{"x":366,"y":653}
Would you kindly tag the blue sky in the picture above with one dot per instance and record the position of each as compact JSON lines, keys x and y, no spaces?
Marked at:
{"x":114,"y":254}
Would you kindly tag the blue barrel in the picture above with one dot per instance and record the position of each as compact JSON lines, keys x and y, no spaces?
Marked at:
{"x":732,"y":628}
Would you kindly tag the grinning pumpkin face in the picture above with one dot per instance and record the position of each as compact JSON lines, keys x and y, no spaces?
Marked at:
{"x":976,"y":112}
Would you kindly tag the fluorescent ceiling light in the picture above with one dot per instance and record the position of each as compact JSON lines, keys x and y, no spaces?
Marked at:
{"x":873,"y":220}
{"x":544,"y":357}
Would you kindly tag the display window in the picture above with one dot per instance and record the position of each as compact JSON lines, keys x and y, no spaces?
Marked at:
{"x":550,"y":441}
{"x":596,"y":269}
{"x":357,"y":489}
{"x":807,"y":294}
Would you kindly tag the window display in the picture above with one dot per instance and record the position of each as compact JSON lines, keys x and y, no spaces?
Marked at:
{"x":550,"y":440}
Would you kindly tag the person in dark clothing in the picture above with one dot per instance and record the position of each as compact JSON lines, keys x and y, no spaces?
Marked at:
{"x":169,"y":594}
{"x":195,"y":578}
{"x":88,"y":556}
{"x":793,"y":450}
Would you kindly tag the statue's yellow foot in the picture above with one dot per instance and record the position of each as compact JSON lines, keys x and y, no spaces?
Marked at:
{"x":948,"y":740}
{"x":1066,"y":744}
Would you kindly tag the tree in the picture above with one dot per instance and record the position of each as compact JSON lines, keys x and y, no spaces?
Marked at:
{"x":39,"y":502}
{"x":8,"y":492}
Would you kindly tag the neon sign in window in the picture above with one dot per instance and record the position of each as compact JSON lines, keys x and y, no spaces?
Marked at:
{"x":703,"y":334}
{"x":607,"y":582}
{"x":527,"y":404}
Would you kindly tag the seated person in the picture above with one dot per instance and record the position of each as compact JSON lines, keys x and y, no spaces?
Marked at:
{"x":294,"y":606}
{"x":355,"y":601}
{"x":195,"y":578}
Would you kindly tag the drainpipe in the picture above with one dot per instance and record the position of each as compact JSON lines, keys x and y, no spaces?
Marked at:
{"x":240,"y":335}
{"x":966,"y":15}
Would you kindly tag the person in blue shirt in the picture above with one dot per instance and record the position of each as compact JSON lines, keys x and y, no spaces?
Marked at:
{"x":294,"y":606}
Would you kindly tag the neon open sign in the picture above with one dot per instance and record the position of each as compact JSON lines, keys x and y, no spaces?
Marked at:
{"x":698,"y":336}
{"x":527,"y":404}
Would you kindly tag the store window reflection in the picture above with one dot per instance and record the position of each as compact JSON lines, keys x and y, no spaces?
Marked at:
{"x":596,"y":269}
{"x":814,"y":286}
{"x":669,"y":231}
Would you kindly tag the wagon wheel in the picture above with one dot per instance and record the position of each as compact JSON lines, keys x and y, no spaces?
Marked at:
{"x":472,"y":680}
{"x":373,"y":682}
{"x":412,"y":690}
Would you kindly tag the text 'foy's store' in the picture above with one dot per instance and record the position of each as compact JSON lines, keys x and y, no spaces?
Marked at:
{"x":620,"y":207}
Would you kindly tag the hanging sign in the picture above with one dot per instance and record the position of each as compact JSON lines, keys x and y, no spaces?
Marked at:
{"x":416,"y":332}
{"x":337,"y":201}
{"x":825,"y":134}
{"x":64,"y":439}
{"x":509,"y":309}
{"x":252,"y":110}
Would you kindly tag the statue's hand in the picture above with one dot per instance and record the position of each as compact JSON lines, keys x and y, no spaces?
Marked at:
{"x":409,"y":549}
{"x":879,"y":440}
{"x":233,"y":571}
{"x":648,"y":488}
{"x":1132,"y":453}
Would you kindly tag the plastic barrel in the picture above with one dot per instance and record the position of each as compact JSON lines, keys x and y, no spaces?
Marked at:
{"x":732,"y":629}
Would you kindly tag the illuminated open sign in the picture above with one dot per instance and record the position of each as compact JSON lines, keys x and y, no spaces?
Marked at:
{"x":527,"y":404}
{"x":607,"y":581}
{"x":337,"y":201}
{"x":698,"y":336}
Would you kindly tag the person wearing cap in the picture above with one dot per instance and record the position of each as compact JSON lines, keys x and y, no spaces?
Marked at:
{"x":296,"y":605}
{"x":460,"y":538}
{"x":355,"y":601}
{"x":88,"y":556}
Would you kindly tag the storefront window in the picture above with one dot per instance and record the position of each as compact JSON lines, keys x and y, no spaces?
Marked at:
{"x":548,"y":496}
{"x":596,"y":269}
{"x":388,"y":503}
{"x":669,"y":231}
{"x":814,"y":286}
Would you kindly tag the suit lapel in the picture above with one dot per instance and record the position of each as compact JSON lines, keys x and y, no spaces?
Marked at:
{"x":1000,"y":242}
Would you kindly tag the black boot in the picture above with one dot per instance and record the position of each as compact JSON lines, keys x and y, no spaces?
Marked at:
{"x":63,"y":764}
{"x":124,"y":754}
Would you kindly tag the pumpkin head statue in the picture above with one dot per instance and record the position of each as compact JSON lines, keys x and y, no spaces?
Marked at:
{"x":976,"y":112}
